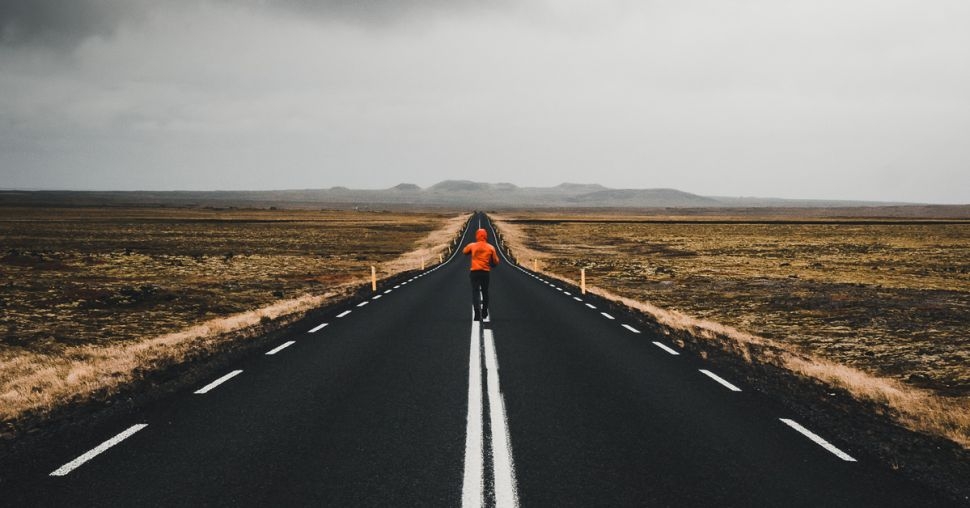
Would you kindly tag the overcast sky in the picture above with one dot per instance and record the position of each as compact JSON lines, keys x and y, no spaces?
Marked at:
{"x":841,"y":99}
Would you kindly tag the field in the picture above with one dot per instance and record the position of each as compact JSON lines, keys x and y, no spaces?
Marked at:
{"x":85,"y":291}
{"x":889,"y":298}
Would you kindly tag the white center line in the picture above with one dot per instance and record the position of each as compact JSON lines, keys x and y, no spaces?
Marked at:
{"x":503,"y":467}
{"x":632,"y":329}
{"x":721,"y":380}
{"x":607,"y":316}
{"x":377,"y":297}
{"x":344,"y":313}
{"x":388,"y":291}
{"x":567,"y":293}
{"x":397,"y":286}
{"x":471,"y":491}
{"x":98,"y":450}
{"x":578,"y":299}
{"x":590,"y":305}
{"x":318,"y":328}
{"x":361,"y":304}
{"x":281,"y":347}
{"x":207,"y":388}
{"x":818,"y":440}
{"x":665,"y":348}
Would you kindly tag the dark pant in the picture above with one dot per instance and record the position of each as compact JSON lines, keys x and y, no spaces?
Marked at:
{"x":479,"y":280}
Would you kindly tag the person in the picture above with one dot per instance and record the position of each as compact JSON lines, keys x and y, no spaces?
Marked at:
{"x":483,"y":258}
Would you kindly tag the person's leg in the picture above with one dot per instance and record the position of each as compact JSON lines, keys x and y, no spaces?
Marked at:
{"x":476,"y":285}
{"x":485,"y":281}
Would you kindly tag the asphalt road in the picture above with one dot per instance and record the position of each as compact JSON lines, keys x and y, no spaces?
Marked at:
{"x":567,"y":406}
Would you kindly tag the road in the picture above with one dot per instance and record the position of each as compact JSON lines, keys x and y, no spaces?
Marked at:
{"x":371,"y":404}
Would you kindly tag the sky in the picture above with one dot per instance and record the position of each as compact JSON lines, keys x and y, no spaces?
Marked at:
{"x":815,"y":99}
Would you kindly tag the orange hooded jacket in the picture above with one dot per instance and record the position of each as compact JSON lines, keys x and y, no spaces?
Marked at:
{"x":483,"y":254}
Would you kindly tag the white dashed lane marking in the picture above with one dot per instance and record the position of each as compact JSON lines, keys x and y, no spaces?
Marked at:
{"x":361,"y":304}
{"x":720,"y":380}
{"x":632,"y":329}
{"x":818,"y":440}
{"x":281,"y":347}
{"x":665,"y":348}
{"x":98,"y":450}
{"x":318,"y":328}
{"x":607,"y":316}
{"x":344,"y":313}
{"x":211,"y":386}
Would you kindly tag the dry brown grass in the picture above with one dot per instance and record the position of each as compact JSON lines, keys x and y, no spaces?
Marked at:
{"x":34,"y":381}
{"x":428,"y":251}
{"x":918,"y":409}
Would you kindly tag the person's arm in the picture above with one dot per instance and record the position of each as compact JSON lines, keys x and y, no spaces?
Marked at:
{"x":494,"y":257}
{"x":467,"y":249}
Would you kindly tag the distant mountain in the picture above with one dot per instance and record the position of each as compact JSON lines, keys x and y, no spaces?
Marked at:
{"x":469,"y":186}
{"x":458,"y":186}
{"x":464,"y":194}
{"x":563,"y":195}
{"x":643,"y":198}
{"x":579,"y":188}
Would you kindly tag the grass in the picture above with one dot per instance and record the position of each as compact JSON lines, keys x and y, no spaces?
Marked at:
{"x":93,"y":298}
{"x":880,"y":309}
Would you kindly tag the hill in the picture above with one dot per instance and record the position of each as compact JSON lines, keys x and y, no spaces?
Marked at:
{"x":460,"y":194}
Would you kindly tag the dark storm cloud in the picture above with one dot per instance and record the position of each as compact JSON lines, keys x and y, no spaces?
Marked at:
{"x":64,"y":24}
{"x":60,"y":23}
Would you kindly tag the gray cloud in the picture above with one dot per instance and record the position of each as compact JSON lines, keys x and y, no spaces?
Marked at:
{"x":372,"y":11}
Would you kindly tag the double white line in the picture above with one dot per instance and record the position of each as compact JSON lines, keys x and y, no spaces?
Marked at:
{"x":503,"y":469}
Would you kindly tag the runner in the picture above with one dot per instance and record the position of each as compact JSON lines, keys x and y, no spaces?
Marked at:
{"x":483,"y":259}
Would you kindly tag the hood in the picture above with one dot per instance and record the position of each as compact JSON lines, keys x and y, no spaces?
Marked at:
{"x":481,"y":235}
